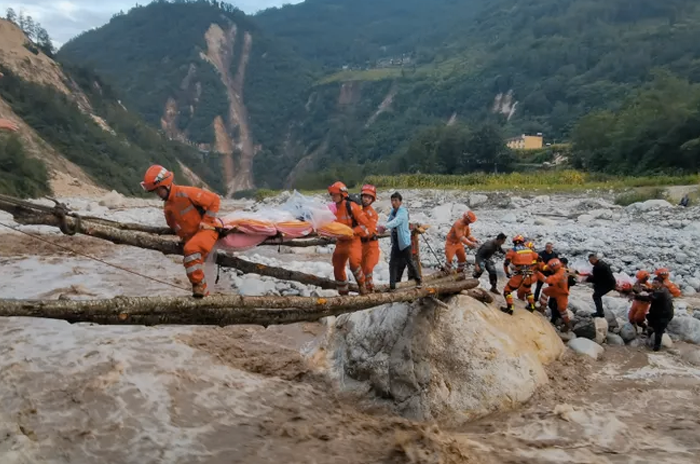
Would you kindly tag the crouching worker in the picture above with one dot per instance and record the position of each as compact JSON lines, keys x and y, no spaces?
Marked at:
{"x":660,"y":310}
{"x":459,"y":236}
{"x":558,"y":289}
{"x":352,"y":215}
{"x":484,"y":260}
{"x":191,"y":213}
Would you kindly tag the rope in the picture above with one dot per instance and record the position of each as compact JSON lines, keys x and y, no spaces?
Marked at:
{"x":41,"y":239}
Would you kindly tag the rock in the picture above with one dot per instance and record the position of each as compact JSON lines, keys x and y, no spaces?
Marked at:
{"x":581,"y":306}
{"x":509,"y":217}
{"x":464,"y":361}
{"x":687,"y":328}
{"x":585,"y":218}
{"x":601,"y":213}
{"x":541,"y":199}
{"x":585,"y":327}
{"x":112,"y":200}
{"x":628,"y":332}
{"x":587,"y":347}
{"x":693,"y":282}
{"x":696,"y":314}
{"x":458,"y":210}
{"x":442,"y":214}
{"x":636,"y":343}
{"x":566,"y":336}
{"x":688,"y":291}
{"x":614,"y":340}
{"x":666,"y":341}
{"x":601,"y":329}
{"x":542,"y":221}
{"x":692,"y":357}
{"x":254,"y":286}
{"x":476,"y":199}
{"x":649,"y":205}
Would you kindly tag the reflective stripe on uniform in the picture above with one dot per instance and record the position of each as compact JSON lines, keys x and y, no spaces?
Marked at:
{"x":187,"y":210}
{"x":181,"y":194}
{"x":210,"y":213}
{"x":192,"y":257}
{"x":196,"y":267}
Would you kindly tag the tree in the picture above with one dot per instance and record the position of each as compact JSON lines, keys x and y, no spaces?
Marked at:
{"x":44,"y":41}
{"x":30,"y":28}
{"x":21,"y":21}
{"x":11,"y":16}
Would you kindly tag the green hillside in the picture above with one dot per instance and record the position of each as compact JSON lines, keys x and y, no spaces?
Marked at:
{"x":340,"y":88}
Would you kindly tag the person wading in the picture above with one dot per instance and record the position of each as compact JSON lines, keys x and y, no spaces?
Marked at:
{"x":191,"y":213}
{"x":484,"y":261}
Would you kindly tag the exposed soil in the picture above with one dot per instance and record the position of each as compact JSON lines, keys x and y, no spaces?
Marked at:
{"x":15,"y":244}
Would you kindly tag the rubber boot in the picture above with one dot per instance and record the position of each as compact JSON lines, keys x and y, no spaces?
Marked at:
{"x":507,"y":309}
{"x":199,"y":290}
{"x":531,"y":307}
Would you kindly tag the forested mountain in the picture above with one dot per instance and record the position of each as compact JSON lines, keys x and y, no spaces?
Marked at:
{"x":331,"y":88}
{"x":72,"y":134}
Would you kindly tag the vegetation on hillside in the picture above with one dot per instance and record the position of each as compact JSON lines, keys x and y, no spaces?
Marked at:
{"x":39,"y":39}
{"x":20,"y":175}
{"x":115,"y":161}
{"x":424,"y":63}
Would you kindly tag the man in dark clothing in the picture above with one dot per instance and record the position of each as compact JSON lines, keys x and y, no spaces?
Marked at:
{"x":484,"y":261}
{"x":546,"y":256}
{"x":603,"y":282}
{"x":660,"y":311}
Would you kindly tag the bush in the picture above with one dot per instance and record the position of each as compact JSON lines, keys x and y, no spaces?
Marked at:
{"x":20,"y":175}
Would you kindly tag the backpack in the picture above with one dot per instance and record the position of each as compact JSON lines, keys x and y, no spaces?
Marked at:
{"x":355,"y":198}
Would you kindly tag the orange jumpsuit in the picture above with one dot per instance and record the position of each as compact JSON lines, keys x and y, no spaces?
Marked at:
{"x":638,"y":311}
{"x":558,"y":288}
{"x":523,"y":259}
{"x":191,"y":213}
{"x":350,"y":249}
{"x":672,"y":288}
{"x":459,"y":235}
{"x":370,"y":247}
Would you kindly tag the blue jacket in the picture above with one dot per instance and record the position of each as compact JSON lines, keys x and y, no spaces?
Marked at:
{"x":398,"y":219}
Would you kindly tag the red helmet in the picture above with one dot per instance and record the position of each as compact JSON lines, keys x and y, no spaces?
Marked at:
{"x":156,"y":176}
{"x":554,"y":264}
{"x":642,"y":275}
{"x":338,"y":188}
{"x":469,"y":217}
{"x":662,"y":272}
{"x":370,"y":190}
{"x":518,"y":239}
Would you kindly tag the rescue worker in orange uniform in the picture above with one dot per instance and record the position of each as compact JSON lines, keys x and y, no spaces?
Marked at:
{"x":191,"y":213}
{"x":640,"y":307}
{"x":538,"y":267}
{"x":350,"y":214}
{"x":370,"y":244}
{"x":522,"y":259}
{"x":558,"y":289}
{"x":460,"y":235}
{"x":663,"y":273}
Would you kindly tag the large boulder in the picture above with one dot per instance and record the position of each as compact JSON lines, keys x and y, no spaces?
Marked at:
{"x":584,"y":327}
{"x":426,"y":361}
{"x":586,"y":347}
{"x":686,"y":328}
{"x":442,"y":214}
{"x":477,"y":199}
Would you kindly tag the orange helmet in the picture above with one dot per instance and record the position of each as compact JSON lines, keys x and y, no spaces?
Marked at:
{"x":156,"y":176}
{"x":554,"y":264}
{"x":338,"y":188}
{"x":370,"y":190}
{"x":662,"y":272}
{"x":470,"y":217}
{"x":530,"y":245}
{"x":642,"y":275}
{"x":518,"y":239}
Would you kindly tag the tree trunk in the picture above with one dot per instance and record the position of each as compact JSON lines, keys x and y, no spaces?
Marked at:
{"x":216,"y":310}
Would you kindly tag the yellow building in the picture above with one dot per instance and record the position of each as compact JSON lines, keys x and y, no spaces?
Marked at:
{"x":525,"y":142}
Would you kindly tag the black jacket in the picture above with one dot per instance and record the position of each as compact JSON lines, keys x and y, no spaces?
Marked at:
{"x":546,"y":257}
{"x":661,"y":309}
{"x":487,"y":250}
{"x":602,"y":278}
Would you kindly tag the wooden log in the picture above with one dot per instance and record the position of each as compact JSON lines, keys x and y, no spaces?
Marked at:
{"x":216,"y":310}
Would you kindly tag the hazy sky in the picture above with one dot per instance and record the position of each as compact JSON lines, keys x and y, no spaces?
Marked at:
{"x":64,"y":19}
